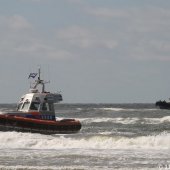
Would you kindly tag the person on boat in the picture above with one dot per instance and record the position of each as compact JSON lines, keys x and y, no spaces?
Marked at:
{"x":34,"y":106}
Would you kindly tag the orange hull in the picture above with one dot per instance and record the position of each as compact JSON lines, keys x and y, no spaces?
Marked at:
{"x":23,"y":124}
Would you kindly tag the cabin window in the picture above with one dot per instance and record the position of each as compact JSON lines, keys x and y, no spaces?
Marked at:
{"x":26,"y":105}
{"x":46,"y":107}
{"x":34,"y":106}
{"x":50,"y":106}
{"x":19,"y":106}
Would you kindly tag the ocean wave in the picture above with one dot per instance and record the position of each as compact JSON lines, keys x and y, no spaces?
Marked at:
{"x":72,"y":167}
{"x":109,"y":120}
{"x":22,"y":167}
{"x":128,"y":120}
{"x":125,"y":109}
{"x":165,"y":119}
{"x":157,"y":120}
{"x":115,"y":109}
{"x":37,"y":141}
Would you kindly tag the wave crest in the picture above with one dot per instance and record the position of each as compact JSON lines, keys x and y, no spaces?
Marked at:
{"x":37,"y":141}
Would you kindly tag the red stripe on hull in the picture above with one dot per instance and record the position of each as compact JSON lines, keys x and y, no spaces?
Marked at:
{"x":36,"y":125}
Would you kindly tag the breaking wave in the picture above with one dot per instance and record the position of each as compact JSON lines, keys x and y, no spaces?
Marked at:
{"x":125,"y":109}
{"x":81,"y":167}
{"x":109,"y":120}
{"x":128,"y":120}
{"x":17,"y":140}
{"x":113,"y":109}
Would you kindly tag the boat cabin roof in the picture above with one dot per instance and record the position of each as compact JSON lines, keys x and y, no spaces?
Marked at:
{"x":38,"y":102}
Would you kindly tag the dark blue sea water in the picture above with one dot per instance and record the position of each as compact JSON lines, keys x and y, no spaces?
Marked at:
{"x":113,"y":136}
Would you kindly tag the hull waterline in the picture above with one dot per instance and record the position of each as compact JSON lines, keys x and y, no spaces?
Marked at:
{"x":22,"y":124}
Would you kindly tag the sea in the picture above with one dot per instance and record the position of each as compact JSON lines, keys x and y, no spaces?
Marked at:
{"x":113,"y":136}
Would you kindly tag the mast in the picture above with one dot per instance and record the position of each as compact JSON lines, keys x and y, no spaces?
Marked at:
{"x":39,"y":81}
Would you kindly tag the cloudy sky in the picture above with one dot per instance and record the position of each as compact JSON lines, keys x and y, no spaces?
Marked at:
{"x":93,"y":51}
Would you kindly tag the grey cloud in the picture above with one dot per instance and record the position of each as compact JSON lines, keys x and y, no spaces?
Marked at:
{"x":19,"y":38}
{"x":85,"y":38}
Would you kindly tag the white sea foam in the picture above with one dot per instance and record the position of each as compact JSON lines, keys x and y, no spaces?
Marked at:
{"x":156,"y":120}
{"x":117,"y":120}
{"x":21,"y":167}
{"x":125,"y":109}
{"x":128,"y":120}
{"x":37,"y":141}
{"x":79,"y":109}
{"x":112,"y":109}
{"x":110,"y":120}
{"x":72,"y":167}
{"x":165,"y":119}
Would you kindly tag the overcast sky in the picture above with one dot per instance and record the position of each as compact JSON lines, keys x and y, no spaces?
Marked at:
{"x":93,"y":51}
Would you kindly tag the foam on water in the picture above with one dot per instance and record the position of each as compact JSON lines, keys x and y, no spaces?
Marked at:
{"x":113,"y":136}
{"x":20,"y":167}
{"x":165,"y":119}
{"x":113,"y":109}
{"x":37,"y":141}
{"x":125,"y":109}
{"x":127,"y":120}
{"x":110,"y":120}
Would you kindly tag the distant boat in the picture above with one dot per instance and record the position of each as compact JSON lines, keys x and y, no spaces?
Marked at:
{"x":163,"y":104}
{"x":36,"y":114}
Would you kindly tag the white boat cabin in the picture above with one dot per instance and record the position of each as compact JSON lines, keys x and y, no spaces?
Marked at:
{"x":41,"y":103}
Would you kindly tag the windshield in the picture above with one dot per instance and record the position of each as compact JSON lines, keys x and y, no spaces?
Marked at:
{"x":34,"y":106}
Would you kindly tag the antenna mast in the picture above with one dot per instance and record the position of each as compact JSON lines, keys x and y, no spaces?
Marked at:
{"x":39,"y":81}
{"x":39,"y":73}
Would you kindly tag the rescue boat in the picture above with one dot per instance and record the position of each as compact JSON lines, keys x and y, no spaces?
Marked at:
{"x":36,"y":113}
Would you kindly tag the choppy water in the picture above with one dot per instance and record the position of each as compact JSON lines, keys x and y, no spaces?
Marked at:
{"x":113,"y":136}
